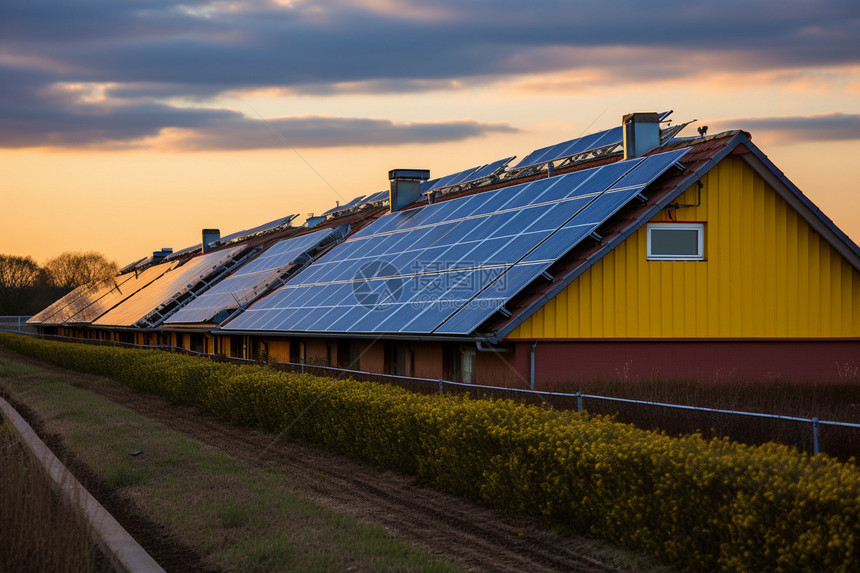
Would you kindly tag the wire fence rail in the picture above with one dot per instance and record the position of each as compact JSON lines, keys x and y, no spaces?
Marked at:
{"x":16,"y":323}
{"x":562,"y":400}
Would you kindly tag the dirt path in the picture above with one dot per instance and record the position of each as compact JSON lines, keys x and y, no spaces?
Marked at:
{"x":480,"y":539}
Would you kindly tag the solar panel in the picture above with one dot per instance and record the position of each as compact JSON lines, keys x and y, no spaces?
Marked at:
{"x":374,"y":198}
{"x":157,"y":257}
{"x":572,"y":147}
{"x":465,"y":176}
{"x":270,"y":226}
{"x":111,"y":294}
{"x":73,"y":302}
{"x":176,"y":281}
{"x":579,"y":145}
{"x":245,"y":284}
{"x":448,"y":266}
{"x":186,"y":251}
{"x":131,"y":266}
{"x":349,"y":205}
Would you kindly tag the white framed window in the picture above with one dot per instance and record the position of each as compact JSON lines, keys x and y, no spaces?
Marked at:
{"x":676,"y":241}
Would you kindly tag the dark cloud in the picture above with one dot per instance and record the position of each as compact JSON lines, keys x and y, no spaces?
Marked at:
{"x":146,"y":51}
{"x":800,"y":128}
{"x":330,"y":132}
{"x":199,"y":47}
{"x":35,"y":115}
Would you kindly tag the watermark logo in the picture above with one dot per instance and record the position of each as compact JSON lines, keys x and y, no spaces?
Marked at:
{"x":377,"y":285}
{"x":372,"y":290}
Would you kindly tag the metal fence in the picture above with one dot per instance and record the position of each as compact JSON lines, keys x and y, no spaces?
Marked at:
{"x":16,"y":324}
{"x":598,"y":404}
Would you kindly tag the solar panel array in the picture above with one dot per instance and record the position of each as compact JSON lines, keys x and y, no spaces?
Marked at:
{"x":113,"y":293}
{"x":579,"y":145}
{"x":354,"y":203}
{"x":375,"y":198}
{"x":186,"y":251}
{"x":572,"y":147}
{"x":447,"y":267}
{"x":242,"y":287}
{"x":156,"y":257}
{"x":74,"y":301}
{"x":131,"y":266}
{"x":175,"y":281}
{"x":472,"y":174}
{"x":271,"y":225}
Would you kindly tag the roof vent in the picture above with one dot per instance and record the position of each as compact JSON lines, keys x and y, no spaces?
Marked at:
{"x":210,"y":237}
{"x":641,"y":134}
{"x":405,"y":187}
{"x":158,"y":256}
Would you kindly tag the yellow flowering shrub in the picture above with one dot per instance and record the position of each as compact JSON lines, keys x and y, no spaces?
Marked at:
{"x":705,"y":505}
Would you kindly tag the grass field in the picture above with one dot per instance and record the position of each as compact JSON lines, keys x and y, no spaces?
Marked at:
{"x":237,"y":517}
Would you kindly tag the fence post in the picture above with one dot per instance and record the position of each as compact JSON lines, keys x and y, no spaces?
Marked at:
{"x":816,"y":445}
{"x":579,"y":401}
{"x":441,"y":389}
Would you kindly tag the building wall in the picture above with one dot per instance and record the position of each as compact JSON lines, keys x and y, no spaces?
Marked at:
{"x":767,"y":274}
{"x":499,"y":369}
{"x":372,"y":357}
{"x":279,"y":349}
{"x":427,"y":359}
{"x":317,"y":351}
{"x":559,"y":365}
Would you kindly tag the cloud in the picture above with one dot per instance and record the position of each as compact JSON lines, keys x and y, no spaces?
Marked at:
{"x":316,"y":131}
{"x":205,"y":47}
{"x":144,"y":54}
{"x":799,"y":129}
{"x":80,"y":115}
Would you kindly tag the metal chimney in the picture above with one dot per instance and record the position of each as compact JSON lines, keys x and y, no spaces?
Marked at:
{"x":210,"y":236}
{"x":641,"y":133}
{"x":405,"y":186}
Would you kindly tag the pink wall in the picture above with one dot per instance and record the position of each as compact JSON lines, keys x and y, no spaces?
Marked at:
{"x":800,"y":361}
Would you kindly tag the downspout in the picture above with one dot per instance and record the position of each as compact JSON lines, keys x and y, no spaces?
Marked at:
{"x":480,"y":346}
{"x":532,"y":367}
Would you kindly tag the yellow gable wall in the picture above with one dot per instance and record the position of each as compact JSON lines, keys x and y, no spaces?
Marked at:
{"x":767,"y":274}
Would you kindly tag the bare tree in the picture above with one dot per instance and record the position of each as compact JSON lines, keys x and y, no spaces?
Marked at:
{"x":72,"y":269}
{"x":18,"y":276}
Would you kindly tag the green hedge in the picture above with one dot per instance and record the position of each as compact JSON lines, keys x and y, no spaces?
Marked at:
{"x":704,"y":505}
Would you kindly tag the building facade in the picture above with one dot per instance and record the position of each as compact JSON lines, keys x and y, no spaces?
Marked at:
{"x":634,"y":255}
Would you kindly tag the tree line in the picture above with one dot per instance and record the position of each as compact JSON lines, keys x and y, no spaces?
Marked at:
{"x":27,"y":287}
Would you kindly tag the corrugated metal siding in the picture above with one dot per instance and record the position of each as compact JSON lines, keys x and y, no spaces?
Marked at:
{"x":767,"y":274}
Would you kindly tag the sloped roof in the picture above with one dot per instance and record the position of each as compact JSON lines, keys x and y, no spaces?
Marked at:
{"x":110,"y":294}
{"x":137,"y":309}
{"x":516,"y":264}
{"x":253,"y":279}
{"x":443,"y":269}
{"x":324,"y":299}
{"x":704,"y":154}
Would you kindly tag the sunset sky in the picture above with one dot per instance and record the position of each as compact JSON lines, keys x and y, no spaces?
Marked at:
{"x":127,"y":126}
